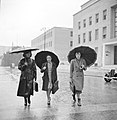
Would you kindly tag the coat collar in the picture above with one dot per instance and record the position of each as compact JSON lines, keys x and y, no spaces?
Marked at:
{"x":53,"y":65}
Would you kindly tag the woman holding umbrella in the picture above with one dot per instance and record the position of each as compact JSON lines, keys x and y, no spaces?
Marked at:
{"x":47,"y":62}
{"x":28,"y":74}
{"x":77,"y":76}
{"x":80,"y":58}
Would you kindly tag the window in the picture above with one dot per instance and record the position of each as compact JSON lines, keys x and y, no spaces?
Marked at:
{"x":115,"y":34}
{"x":90,"y":20}
{"x":71,"y":33}
{"x":50,"y":44}
{"x":71,"y":43}
{"x":79,"y":39}
{"x":90,"y":35}
{"x":97,"y":18}
{"x":104,"y":14}
{"x":84,"y":23}
{"x":84,"y":37}
{"x":79,"y":26}
{"x":96,"y":34}
{"x":104,"y":32}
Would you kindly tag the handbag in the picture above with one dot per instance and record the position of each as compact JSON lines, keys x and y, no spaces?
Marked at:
{"x":36,"y":86}
{"x":55,"y":87}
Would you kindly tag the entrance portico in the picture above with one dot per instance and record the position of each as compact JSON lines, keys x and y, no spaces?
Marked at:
{"x":110,"y":54}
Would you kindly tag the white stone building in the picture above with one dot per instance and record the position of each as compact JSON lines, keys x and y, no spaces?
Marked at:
{"x":58,"y":40}
{"x":96,"y":26}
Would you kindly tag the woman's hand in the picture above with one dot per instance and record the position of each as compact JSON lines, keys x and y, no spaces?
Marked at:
{"x":25,"y":63}
{"x":44,"y":68}
{"x":70,"y":80}
{"x":82,"y":67}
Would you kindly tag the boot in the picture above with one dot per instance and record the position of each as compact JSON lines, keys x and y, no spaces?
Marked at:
{"x":79,"y":101}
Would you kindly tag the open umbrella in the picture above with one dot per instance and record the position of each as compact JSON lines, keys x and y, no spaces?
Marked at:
{"x":24,"y":49}
{"x":40,"y":58}
{"x":87,"y":53}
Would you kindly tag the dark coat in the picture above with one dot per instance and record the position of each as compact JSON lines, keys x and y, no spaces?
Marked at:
{"x":45,"y":77}
{"x":28,"y":73}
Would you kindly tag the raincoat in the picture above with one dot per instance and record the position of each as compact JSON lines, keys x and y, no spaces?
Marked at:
{"x":77,"y":74}
{"x":28,"y":73}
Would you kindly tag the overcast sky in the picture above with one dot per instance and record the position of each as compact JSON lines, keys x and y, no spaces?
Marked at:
{"x":22,"y":20}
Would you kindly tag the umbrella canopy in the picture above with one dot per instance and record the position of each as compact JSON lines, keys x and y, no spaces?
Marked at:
{"x":87,"y":53}
{"x":24,"y":49}
{"x":40,"y":58}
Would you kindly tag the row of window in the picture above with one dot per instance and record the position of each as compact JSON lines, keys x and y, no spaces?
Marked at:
{"x":90,"y":19}
{"x":115,"y":22}
{"x":47,"y":45}
{"x":104,"y":35}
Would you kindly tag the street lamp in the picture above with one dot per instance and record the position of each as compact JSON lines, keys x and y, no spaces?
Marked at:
{"x":44,"y":29}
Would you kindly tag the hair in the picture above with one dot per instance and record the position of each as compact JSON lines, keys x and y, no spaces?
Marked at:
{"x":77,"y":53}
{"x":24,"y":54}
{"x":48,"y":55}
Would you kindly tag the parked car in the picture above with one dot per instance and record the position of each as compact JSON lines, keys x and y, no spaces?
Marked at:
{"x":111,"y":75}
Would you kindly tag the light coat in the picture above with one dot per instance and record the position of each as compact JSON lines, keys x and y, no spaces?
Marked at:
{"x":77,"y":74}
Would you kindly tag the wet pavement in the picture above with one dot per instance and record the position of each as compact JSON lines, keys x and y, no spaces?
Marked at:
{"x":99,"y":99}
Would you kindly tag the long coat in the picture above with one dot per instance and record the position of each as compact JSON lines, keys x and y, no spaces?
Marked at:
{"x":28,"y":73}
{"x":45,"y":77}
{"x":77,"y":74}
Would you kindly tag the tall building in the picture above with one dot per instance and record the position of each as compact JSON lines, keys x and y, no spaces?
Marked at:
{"x":95,"y":25}
{"x":57,"y":39}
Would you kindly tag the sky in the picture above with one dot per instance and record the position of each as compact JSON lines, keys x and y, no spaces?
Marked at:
{"x":22,"y":20}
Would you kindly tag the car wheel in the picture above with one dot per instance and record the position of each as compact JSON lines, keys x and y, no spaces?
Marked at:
{"x":107,"y":79}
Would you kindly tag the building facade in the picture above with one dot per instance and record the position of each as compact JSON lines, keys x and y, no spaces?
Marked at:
{"x":58,"y":40}
{"x":96,"y":26}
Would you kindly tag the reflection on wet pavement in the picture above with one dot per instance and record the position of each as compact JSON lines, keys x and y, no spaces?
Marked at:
{"x":99,"y":100}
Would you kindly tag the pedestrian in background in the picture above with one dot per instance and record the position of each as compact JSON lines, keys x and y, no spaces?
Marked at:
{"x":49,"y":77}
{"x":77,"y":66}
{"x":28,"y":74}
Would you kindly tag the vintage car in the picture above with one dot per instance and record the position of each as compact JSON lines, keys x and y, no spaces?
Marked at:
{"x":111,"y":75}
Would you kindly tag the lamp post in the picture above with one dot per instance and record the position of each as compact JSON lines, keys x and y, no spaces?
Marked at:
{"x":44,"y":29}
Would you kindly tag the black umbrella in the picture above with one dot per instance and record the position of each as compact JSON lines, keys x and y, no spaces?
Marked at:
{"x":24,"y":49}
{"x":87,"y":53}
{"x":40,"y":58}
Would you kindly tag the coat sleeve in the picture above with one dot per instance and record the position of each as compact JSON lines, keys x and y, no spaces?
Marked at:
{"x":71,"y":68}
{"x":85,"y":65}
{"x":44,"y":64}
{"x":34,"y":70}
{"x":21,"y":65}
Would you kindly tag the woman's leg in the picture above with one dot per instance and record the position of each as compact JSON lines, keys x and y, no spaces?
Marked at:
{"x":48,"y":96}
{"x":29,"y":100}
{"x":25,"y":101}
{"x":79,"y":99}
{"x":73,"y":95}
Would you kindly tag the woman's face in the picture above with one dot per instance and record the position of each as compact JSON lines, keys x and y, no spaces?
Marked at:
{"x":78,"y":55}
{"x":28,"y":55}
{"x":49,"y":59}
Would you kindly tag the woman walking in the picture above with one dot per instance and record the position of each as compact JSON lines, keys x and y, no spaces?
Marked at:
{"x":28,"y":74}
{"x":49,"y":77}
{"x":77,"y":66}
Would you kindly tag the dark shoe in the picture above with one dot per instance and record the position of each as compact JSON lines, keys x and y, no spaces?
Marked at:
{"x":25,"y":104}
{"x":79,"y":102}
{"x":49,"y":101}
{"x":74,"y":99}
